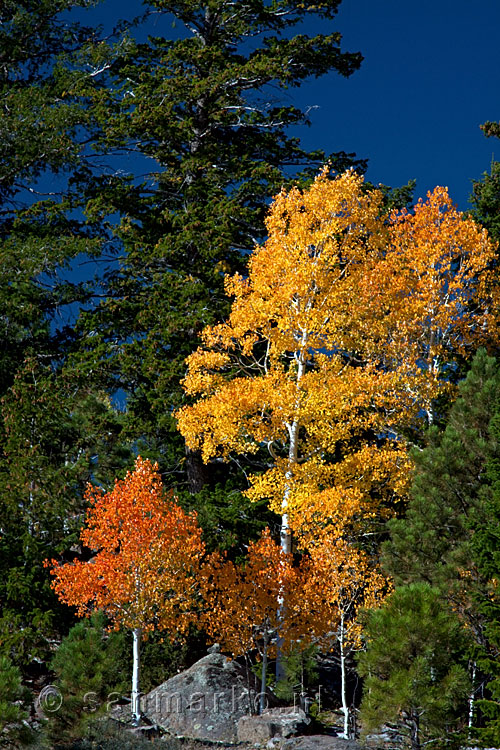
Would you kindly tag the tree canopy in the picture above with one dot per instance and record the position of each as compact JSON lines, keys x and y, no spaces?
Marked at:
{"x":146,"y":553}
{"x":339,"y":340}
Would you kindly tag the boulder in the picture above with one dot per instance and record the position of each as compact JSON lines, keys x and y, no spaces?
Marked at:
{"x":203,"y":703}
{"x":273,"y":722}
{"x":319,"y":742}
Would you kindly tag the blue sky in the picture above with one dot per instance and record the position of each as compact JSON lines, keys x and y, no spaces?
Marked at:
{"x":430,"y":77}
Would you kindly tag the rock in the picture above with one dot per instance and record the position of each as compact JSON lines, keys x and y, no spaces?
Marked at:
{"x":203,"y":703}
{"x":319,"y":742}
{"x":256,"y":730}
{"x":274,"y":722}
{"x":388,"y":736}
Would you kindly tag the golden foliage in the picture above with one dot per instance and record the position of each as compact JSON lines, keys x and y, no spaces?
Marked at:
{"x":338,"y":342}
{"x":339,"y":581}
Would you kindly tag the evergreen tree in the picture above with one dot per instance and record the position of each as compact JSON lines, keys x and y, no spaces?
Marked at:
{"x":449,"y":537}
{"x":490,"y":128}
{"x":52,"y":438}
{"x":432,"y":543}
{"x":38,"y":120}
{"x":203,"y":108}
{"x":43,"y":130}
{"x":12,"y":705}
{"x":54,"y":433}
{"x":87,"y":676}
{"x":485,"y":200}
{"x":485,"y":196}
{"x":10,"y":691}
{"x":486,"y":552}
{"x":413,"y":676}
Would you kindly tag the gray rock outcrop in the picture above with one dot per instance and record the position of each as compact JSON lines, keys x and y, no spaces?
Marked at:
{"x":275,"y":722}
{"x":205,"y":702}
{"x":319,"y":742}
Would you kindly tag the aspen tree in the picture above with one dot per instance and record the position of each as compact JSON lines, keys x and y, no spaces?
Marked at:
{"x":339,"y":340}
{"x":146,"y":553}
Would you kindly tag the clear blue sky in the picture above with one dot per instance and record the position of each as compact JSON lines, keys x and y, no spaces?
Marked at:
{"x":430,"y":77}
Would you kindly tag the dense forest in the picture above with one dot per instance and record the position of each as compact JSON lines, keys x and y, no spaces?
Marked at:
{"x":247,"y":396}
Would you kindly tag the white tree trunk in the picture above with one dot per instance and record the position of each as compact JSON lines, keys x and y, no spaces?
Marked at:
{"x":286,"y":546}
{"x":263,"y":685}
{"x":286,"y":535}
{"x":345,"y":707}
{"x":136,"y":669}
{"x":471,"y":697}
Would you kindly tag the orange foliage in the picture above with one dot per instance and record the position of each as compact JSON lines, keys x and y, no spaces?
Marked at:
{"x":333,"y":582}
{"x":147,"y":551}
{"x":243,"y":599}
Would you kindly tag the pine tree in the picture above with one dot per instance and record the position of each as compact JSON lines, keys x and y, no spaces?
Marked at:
{"x":86,"y":676}
{"x":413,"y":676}
{"x":203,"y":106}
{"x":54,"y":433}
{"x":39,"y":119}
{"x":485,"y":196}
{"x":11,"y":696}
{"x":449,"y":537}
{"x":491,"y":128}
{"x":55,"y":439}
{"x":432,"y":543}
{"x":486,"y":553}
{"x":485,"y":200}
{"x":42,"y":133}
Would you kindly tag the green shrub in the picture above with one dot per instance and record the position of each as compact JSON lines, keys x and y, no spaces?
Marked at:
{"x":13,"y":698}
{"x":87,"y":671}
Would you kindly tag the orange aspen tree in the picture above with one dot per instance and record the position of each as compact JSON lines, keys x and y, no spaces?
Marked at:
{"x":242,"y":611}
{"x":147,"y":552}
{"x":338,"y":581}
{"x":338,"y":341}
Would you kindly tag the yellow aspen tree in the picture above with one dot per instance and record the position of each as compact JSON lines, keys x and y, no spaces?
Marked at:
{"x":432,"y":294}
{"x":338,"y":341}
